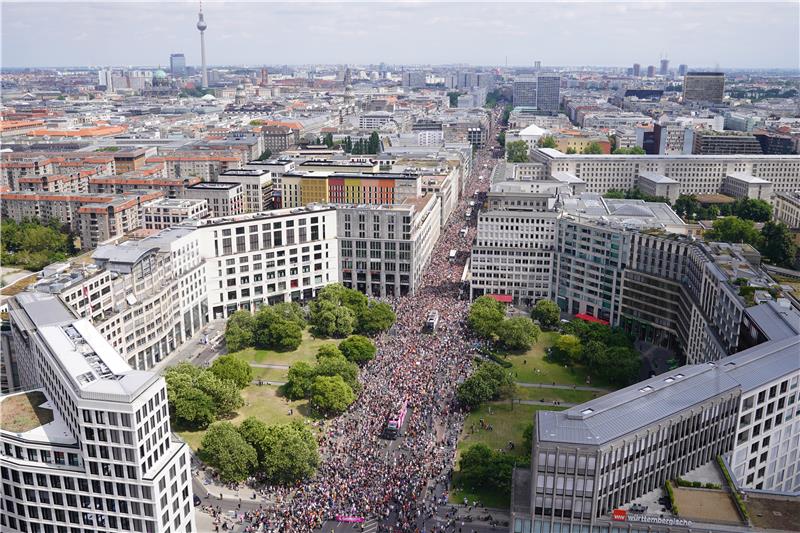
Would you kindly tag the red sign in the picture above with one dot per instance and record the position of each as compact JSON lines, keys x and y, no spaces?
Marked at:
{"x":620,"y":515}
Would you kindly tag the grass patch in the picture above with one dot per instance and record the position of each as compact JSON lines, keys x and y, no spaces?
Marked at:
{"x":263,"y":402}
{"x":270,"y":374}
{"x":508,"y":425}
{"x":548,"y":395}
{"x":21,"y":412}
{"x":532,"y":367}
{"x":307,"y":351}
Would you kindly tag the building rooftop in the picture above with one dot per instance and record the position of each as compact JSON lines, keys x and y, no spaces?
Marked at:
{"x":626,"y":411}
{"x":748,"y":178}
{"x":95,"y":368}
{"x":214,"y":186}
{"x":30,"y":415}
{"x":654,"y":177}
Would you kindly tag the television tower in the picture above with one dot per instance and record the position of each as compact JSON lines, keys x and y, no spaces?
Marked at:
{"x":201,"y":25}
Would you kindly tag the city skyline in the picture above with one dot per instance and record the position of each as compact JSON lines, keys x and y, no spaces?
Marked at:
{"x":700,"y":35}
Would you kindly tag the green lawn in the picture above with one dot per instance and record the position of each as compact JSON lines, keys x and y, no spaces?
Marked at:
{"x":270,"y":374}
{"x":525,"y":365}
{"x":264,"y":403}
{"x":508,"y":425}
{"x":548,"y":395}
{"x":307,"y":351}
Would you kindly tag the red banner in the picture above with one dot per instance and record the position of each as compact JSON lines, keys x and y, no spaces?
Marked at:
{"x":620,"y":515}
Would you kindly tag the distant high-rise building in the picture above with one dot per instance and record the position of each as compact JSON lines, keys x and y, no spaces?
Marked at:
{"x":548,"y":87}
{"x":637,"y":69}
{"x":537,"y":65}
{"x":414,"y":79}
{"x":264,"y":77}
{"x":524,"y":92}
{"x":177,"y":64}
{"x":664,"y":67}
{"x":683,"y":69}
{"x":104,"y":79}
{"x":651,"y":71}
{"x":703,"y":87}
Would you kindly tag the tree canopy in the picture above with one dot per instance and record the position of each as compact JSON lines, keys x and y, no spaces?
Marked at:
{"x":547,"y":141}
{"x":32,"y":244}
{"x":778,"y":244}
{"x":197,"y":396}
{"x":517,"y":333}
{"x":517,"y":152}
{"x":232,"y":368}
{"x":485,"y":314}
{"x":330,"y":395}
{"x":286,"y":453}
{"x":480,"y":466}
{"x":358,"y":349}
{"x":733,"y":229}
{"x":547,"y":313}
{"x":224,"y":448}
{"x":490,"y":381}
{"x":593,"y":148}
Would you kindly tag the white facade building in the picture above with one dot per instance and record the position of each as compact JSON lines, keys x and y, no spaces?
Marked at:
{"x":100,"y":455}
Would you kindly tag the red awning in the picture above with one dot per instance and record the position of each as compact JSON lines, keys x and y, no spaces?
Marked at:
{"x":590,"y":318}
{"x":502,"y":298}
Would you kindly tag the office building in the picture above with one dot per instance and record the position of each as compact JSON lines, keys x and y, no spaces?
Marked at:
{"x":704,"y":87}
{"x":384,"y":249}
{"x":664,"y":70}
{"x":177,"y":64}
{"x":651,"y":71}
{"x":265,"y":258}
{"x":590,"y":462}
{"x":96,"y":218}
{"x":743,"y":185}
{"x":787,"y":208}
{"x":167,"y":212}
{"x":709,"y":142}
{"x":301,"y":188}
{"x":548,"y":87}
{"x":277,"y":138}
{"x":524,"y":92}
{"x":224,"y":198}
{"x":98,"y":453}
{"x":696,"y":174}
{"x":256,"y":185}
{"x":637,"y":68}
{"x":202,"y":164}
{"x":375,"y":120}
{"x":776,"y":144}
{"x":413,"y":79}
{"x":683,"y":69}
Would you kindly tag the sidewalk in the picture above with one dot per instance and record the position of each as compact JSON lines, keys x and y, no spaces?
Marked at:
{"x":563,"y":387}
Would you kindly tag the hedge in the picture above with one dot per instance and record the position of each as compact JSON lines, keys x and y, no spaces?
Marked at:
{"x":736,"y":496}
{"x":671,"y":495}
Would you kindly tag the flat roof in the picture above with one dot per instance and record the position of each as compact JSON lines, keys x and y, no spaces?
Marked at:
{"x":646,"y":403}
{"x":31,"y":416}
{"x":657,"y":178}
{"x":215,"y":185}
{"x":748,"y":178}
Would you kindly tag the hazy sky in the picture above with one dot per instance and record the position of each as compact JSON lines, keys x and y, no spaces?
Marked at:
{"x":727,"y":34}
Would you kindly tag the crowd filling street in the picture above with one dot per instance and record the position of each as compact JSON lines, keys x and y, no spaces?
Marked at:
{"x":399,"y":484}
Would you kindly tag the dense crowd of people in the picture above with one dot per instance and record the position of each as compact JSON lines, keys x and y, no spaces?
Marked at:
{"x":400,"y":483}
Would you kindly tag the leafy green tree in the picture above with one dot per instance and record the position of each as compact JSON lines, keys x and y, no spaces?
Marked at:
{"x":485,"y":314}
{"x":633,"y":150}
{"x":239,"y":331}
{"x":274,"y":330}
{"x":753,"y":209}
{"x":375,"y":318}
{"x":224,"y":392}
{"x":330,"y":395}
{"x":571,"y":150}
{"x":593,"y":148}
{"x":618,"y":365}
{"x":480,"y":466}
{"x":328,"y":350}
{"x":473,"y":392}
{"x":232,"y":368}
{"x":500,"y":380}
{"x":358,"y":349}
{"x":193,"y":408}
{"x":547,"y":141}
{"x":518,"y":333}
{"x":334,"y":311}
{"x":547,"y":313}
{"x":266,"y":154}
{"x":374,"y":143}
{"x":226,"y":450}
{"x":527,"y":440}
{"x":686,"y":206}
{"x":345,"y":321}
{"x":517,"y":152}
{"x":567,"y":349}
{"x":34,"y":244}
{"x":453,"y":97}
{"x":287,"y":453}
{"x":328,"y":140}
{"x":298,"y":383}
{"x":253,"y":431}
{"x":778,"y":245}
{"x":292,"y":312}
{"x":501,"y":138}
{"x":338,"y":366}
{"x":733,"y":229}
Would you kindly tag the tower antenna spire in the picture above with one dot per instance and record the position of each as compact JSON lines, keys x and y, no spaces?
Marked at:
{"x":201,"y":25}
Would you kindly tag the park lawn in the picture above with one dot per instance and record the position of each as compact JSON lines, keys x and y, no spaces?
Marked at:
{"x":508,"y":425}
{"x":548,"y":395}
{"x":262,"y":402}
{"x":525,"y":365}
{"x":271,"y":374}
{"x":307,"y":351}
